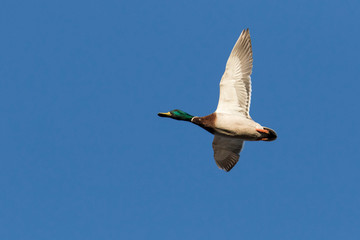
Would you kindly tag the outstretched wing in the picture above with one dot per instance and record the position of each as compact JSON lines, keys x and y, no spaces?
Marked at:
{"x":235,"y":84}
{"x":226,"y":151}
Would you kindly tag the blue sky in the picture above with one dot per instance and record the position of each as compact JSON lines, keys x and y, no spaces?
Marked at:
{"x":84,"y":155}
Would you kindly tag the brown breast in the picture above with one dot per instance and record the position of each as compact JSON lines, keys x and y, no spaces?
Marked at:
{"x":207,"y":122}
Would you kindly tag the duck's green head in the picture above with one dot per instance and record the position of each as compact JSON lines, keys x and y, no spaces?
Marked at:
{"x":177,"y":114}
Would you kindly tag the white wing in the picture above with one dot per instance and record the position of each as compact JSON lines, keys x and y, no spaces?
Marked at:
{"x":226,"y":151}
{"x":235,"y":84}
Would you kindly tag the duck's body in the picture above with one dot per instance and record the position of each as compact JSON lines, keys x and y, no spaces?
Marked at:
{"x":231,"y":126}
{"x":231,"y":122}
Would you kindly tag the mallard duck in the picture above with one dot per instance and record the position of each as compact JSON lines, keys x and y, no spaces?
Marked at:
{"x":231,"y":123}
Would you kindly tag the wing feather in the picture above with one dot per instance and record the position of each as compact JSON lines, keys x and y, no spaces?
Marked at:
{"x":226,"y":151}
{"x":235,"y":84}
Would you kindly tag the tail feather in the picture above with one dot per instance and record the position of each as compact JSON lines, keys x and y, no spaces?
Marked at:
{"x":272,"y":134}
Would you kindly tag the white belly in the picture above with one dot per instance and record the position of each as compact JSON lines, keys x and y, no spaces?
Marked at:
{"x":237,"y":126}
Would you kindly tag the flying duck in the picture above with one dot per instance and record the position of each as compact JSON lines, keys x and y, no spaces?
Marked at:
{"x":231,"y":123}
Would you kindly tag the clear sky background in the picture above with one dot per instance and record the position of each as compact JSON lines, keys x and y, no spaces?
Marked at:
{"x":84,"y":155}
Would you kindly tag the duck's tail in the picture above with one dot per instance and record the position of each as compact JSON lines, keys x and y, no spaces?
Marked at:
{"x":271,"y":136}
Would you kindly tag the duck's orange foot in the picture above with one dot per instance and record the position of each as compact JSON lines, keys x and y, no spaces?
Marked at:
{"x":262,"y":130}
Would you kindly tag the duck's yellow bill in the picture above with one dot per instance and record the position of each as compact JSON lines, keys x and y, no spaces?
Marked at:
{"x":168,"y":114}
